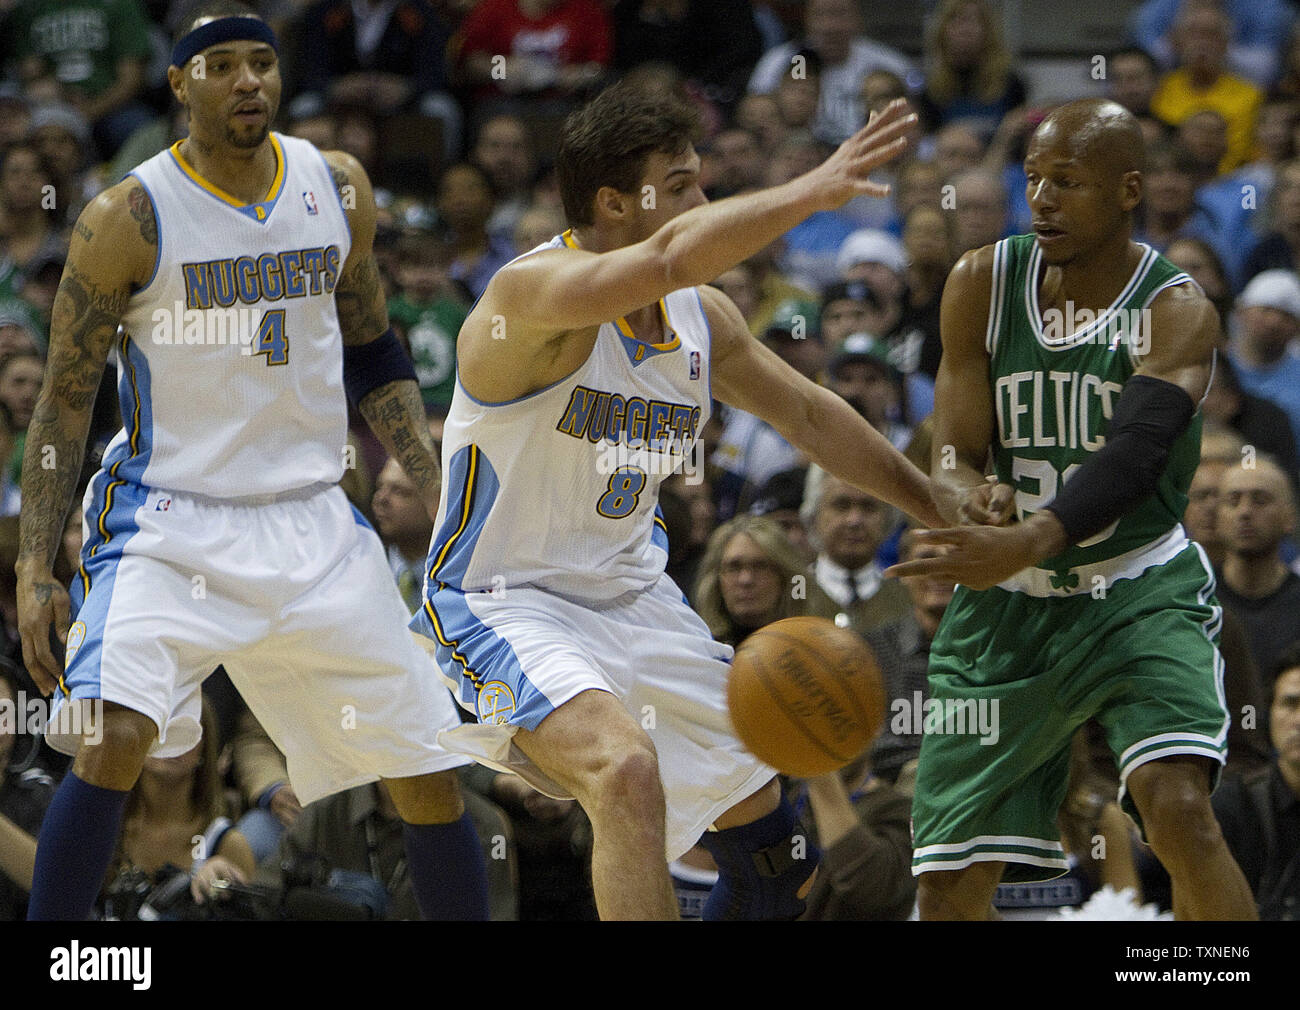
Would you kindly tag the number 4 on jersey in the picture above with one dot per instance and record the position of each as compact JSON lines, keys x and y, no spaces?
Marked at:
{"x":270,"y":339}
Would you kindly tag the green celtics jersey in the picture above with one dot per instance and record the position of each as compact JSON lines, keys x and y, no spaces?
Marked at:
{"x":431,"y":329}
{"x":1056,"y":378}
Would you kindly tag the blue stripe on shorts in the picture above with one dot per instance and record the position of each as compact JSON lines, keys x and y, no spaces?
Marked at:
{"x":119,"y":493}
{"x":81,"y":678}
{"x":473,"y":487}
{"x":492,"y":683}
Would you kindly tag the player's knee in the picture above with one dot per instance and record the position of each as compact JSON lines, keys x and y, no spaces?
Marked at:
{"x":630,"y":781}
{"x":113,"y":757}
{"x":427,"y":799}
{"x":1179,"y":819}
{"x":765,"y":868}
{"x":1174,"y":799}
{"x":932,"y":901}
{"x":944,"y":895}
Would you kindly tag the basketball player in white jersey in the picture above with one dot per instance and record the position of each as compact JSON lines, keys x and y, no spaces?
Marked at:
{"x":585,"y":373}
{"x":239,"y":267}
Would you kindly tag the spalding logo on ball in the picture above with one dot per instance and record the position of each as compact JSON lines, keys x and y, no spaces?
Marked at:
{"x":805,"y":696}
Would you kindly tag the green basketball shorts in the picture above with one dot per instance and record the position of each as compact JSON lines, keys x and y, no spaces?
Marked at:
{"x":1014,"y":675}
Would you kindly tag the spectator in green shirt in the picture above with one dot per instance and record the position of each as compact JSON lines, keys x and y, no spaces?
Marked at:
{"x":96,"y":51}
{"x":429,"y":310}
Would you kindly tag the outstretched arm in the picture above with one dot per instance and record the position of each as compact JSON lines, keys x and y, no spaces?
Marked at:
{"x":813,"y":419}
{"x":113,"y":249}
{"x":393,"y":409}
{"x":567,"y":289}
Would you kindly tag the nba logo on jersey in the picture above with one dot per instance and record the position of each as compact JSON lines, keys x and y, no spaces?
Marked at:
{"x":695,"y":364}
{"x":309,"y":198}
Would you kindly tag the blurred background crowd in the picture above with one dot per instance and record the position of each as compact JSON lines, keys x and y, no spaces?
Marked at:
{"x":454,"y":108}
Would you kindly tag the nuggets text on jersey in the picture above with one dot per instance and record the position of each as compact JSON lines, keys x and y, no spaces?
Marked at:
{"x":294,"y":273}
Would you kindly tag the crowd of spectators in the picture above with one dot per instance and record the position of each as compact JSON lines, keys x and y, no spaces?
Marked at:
{"x":454,"y":108}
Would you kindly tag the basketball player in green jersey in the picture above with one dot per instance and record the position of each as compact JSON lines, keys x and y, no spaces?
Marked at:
{"x":1080,"y":357}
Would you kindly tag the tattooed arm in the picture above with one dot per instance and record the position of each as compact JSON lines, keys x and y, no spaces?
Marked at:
{"x":395,"y":411}
{"x":112,"y":252}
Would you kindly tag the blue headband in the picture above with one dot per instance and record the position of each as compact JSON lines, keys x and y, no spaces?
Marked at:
{"x":222,"y":30}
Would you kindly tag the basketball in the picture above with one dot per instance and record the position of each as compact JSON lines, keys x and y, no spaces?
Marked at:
{"x":805,"y":696}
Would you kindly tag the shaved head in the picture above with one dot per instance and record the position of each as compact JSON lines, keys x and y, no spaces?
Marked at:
{"x":1265,"y":474}
{"x":1255,"y":511}
{"x":1083,"y":167}
{"x":1098,"y":132}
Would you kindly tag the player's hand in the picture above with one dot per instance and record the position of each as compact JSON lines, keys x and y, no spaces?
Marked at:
{"x":977,"y":556}
{"x":988,"y":504}
{"x":212,"y":876}
{"x":42,"y":603}
{"x":845,"y":173}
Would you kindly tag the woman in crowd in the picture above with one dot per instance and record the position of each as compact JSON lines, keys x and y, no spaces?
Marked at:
{"x":747,"y":578}
{"x":28,"y":227}
{"x":969,"y":74}
{"x":175,"y":822}
{"x":1197,"y":258}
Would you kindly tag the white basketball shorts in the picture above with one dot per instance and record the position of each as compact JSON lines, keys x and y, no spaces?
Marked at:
{"x":517,"y":655}
{"x":293,"y":596}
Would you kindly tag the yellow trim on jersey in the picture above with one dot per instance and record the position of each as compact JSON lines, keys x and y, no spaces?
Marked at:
{"x":277,"y":183}
{"x":622,"y":326}
{"x":456,"y":654}
{"x":134,"y":442}
{"x":621,"y":323}
{"x":108,"y":507}
{"x":100,"y":522}
{"x":668,"y":345}
{"x":135,"y":393}
{"x":471,"y":477}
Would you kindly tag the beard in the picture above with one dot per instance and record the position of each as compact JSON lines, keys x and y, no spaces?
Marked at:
{"x":248,"y":141}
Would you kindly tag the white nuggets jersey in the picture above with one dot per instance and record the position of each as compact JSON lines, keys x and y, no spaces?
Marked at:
{"x":559,"y":489}
{"x":231,"y":359}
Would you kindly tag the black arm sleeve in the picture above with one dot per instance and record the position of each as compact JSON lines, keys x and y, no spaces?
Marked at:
{"x":1149,"y":415}
{"x":368,"y":366}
